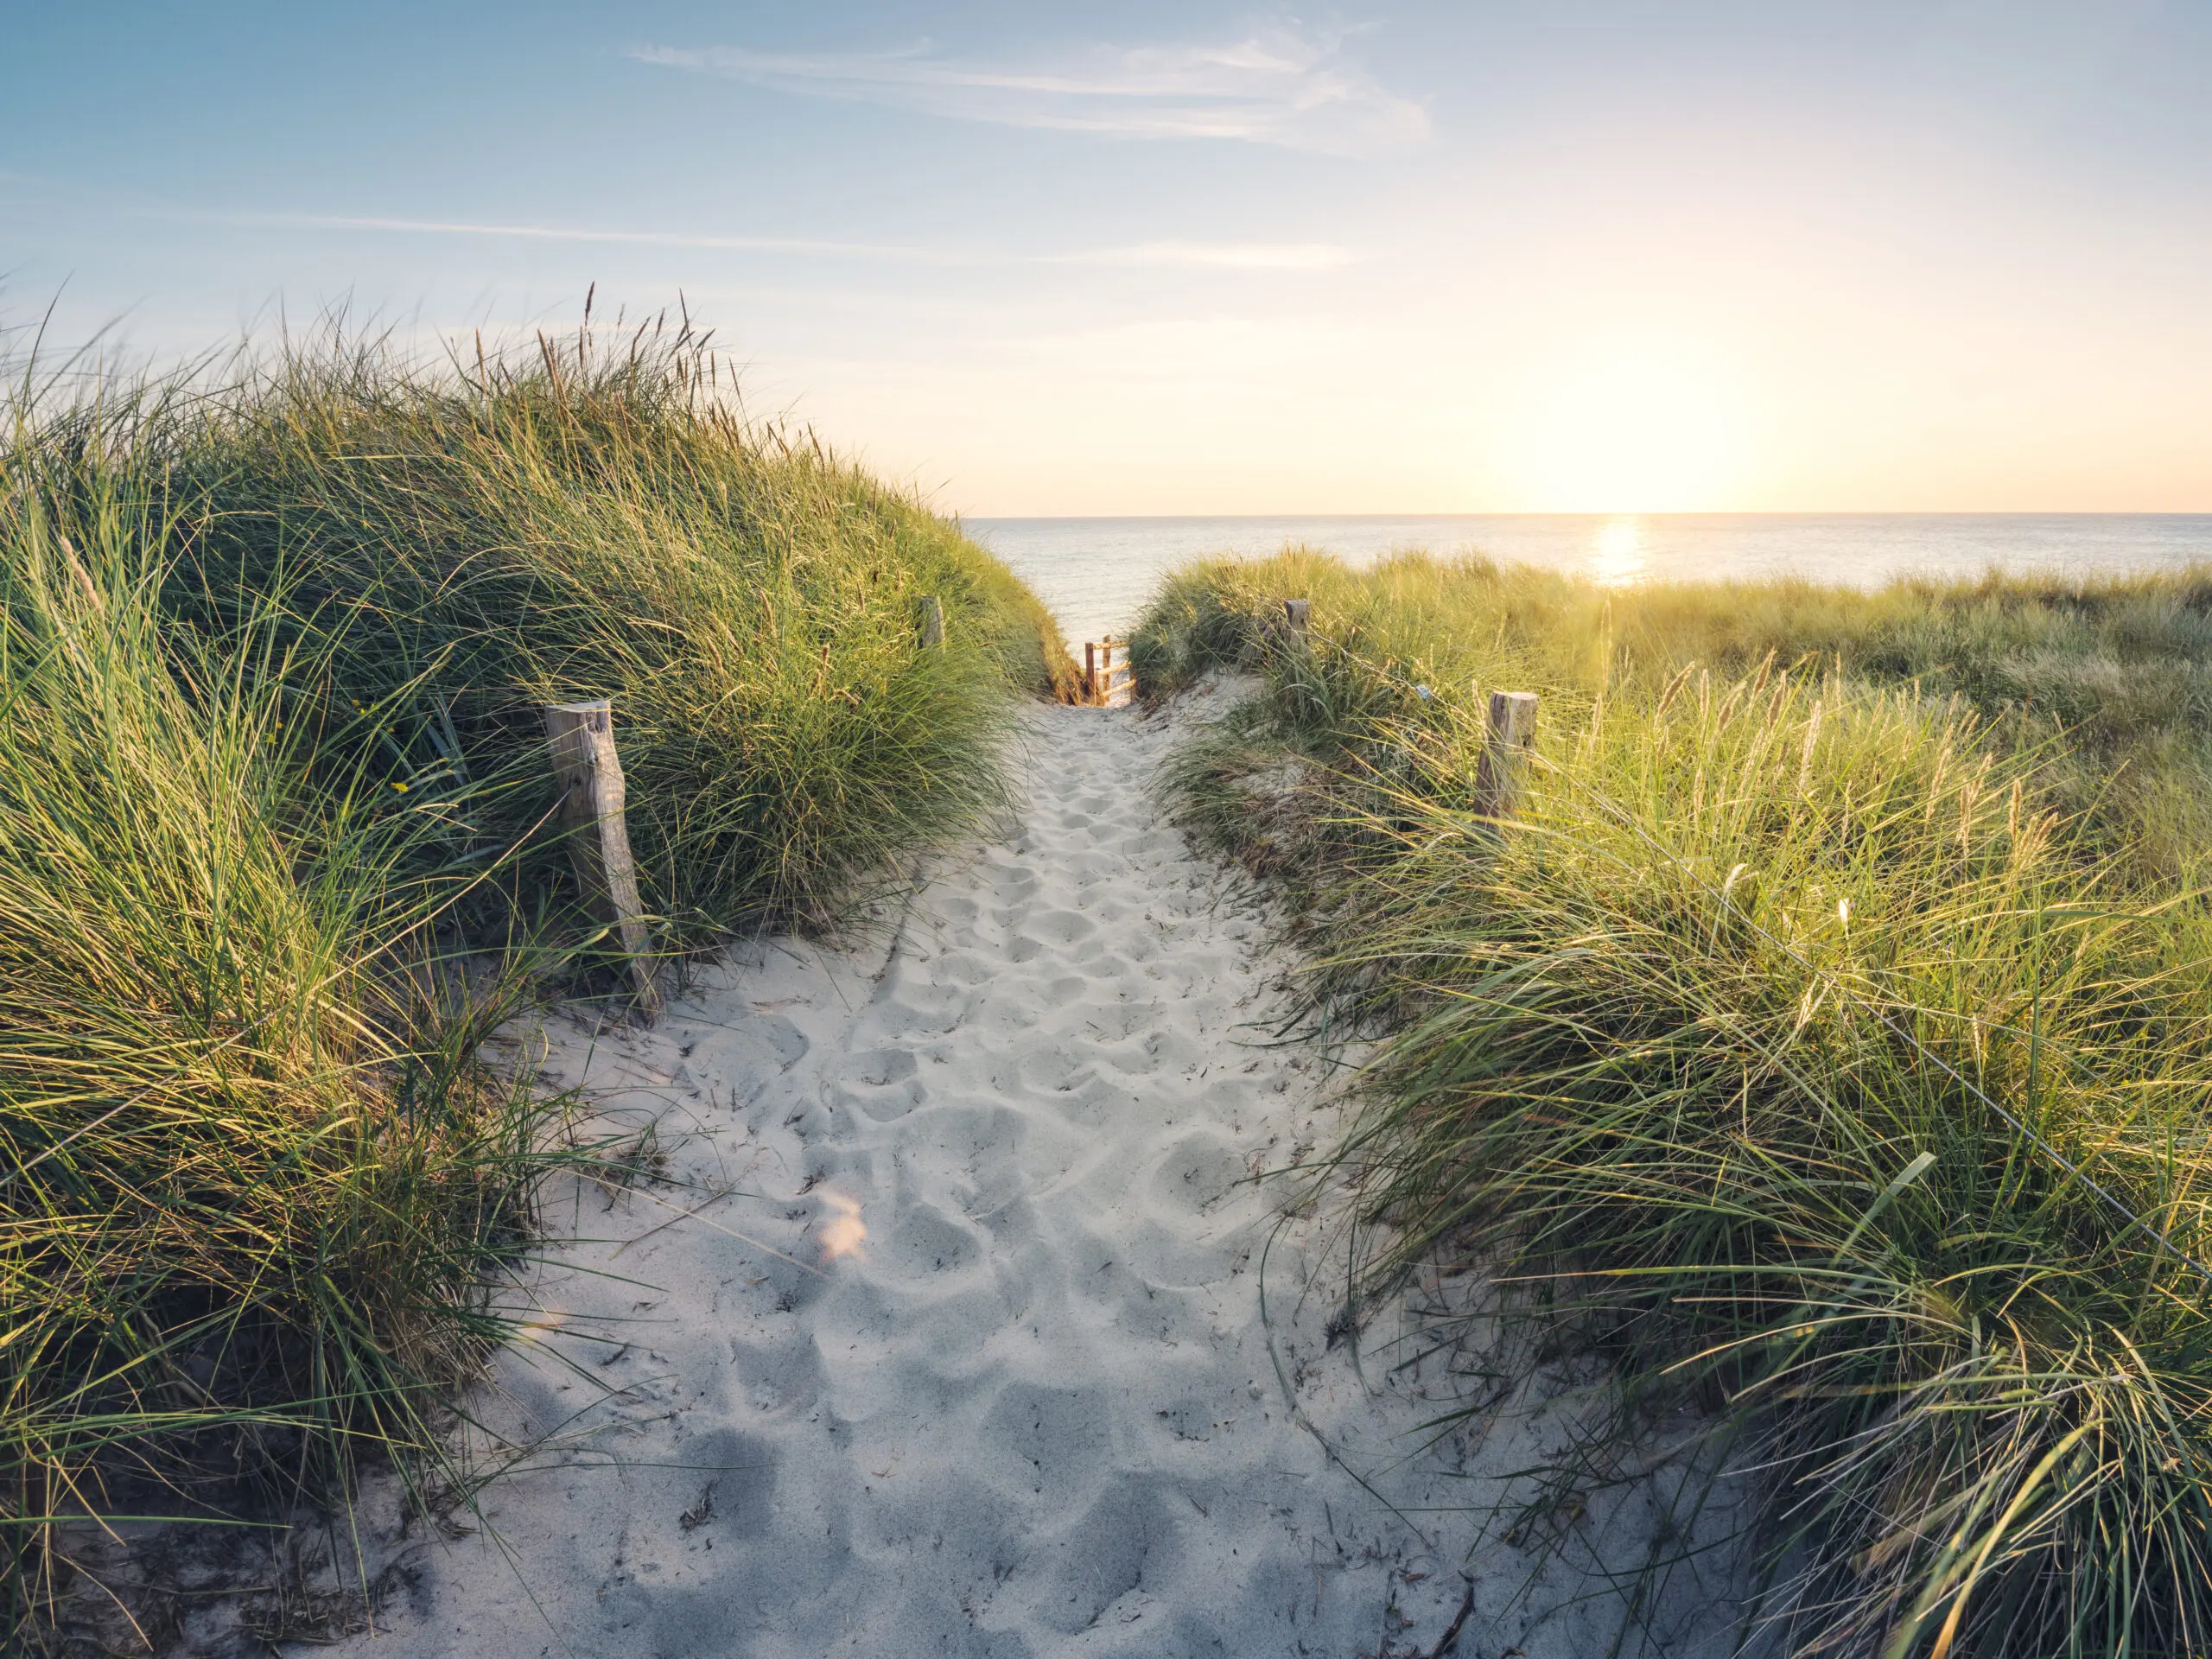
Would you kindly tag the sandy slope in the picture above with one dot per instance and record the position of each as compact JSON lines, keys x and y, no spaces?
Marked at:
{"x":969,"y":1360}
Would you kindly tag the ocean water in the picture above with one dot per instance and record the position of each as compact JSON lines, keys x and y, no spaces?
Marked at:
{"x":1097,"y":573}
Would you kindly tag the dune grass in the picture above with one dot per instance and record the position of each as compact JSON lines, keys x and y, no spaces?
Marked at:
{"x":1826,"y":1041}
{"x":568,"y":523}
{"x":274,"y":861}
{"x":257,"y":1192}
{"x":2110,"y":679}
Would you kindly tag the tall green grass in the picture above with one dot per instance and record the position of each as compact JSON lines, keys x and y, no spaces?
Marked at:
{"x":274,"y":861}
{"x":2112,"y":677}
{"x":1801,"y":1044}
{"x":570,"y":522}
{"x":256,"y":1194}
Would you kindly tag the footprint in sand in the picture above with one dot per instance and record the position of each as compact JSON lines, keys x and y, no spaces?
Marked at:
{"x":963,"y":1353}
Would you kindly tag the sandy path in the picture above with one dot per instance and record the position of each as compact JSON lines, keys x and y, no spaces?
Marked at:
{"x":1033,"y":1409}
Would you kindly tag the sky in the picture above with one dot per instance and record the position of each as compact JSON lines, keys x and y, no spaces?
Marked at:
{"x":1585,"y":255}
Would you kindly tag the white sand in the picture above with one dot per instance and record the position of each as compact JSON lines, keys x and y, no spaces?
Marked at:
{"x":1033,"y":1410}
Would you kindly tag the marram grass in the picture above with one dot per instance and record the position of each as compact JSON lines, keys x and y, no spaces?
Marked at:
{"x":1800,"y":1044}
{"x":255,"y":1199}
{"x":2110,"y":678}
{"x":578,"y":521}
{"x":274,"y":861}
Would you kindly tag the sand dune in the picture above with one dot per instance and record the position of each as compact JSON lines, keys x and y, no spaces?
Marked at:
{"x":970,"y":1358}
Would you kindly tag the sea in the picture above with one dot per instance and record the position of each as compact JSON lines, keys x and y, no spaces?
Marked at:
{"x":1096,"y":574}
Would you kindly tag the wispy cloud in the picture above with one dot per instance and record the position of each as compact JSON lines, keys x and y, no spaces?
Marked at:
{"x":1282,"y":85}
{"x":1219,"y":256}
{"x":635,"y":238}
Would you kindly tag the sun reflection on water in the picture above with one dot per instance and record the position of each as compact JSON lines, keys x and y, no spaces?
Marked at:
{"x":1616,"y":551}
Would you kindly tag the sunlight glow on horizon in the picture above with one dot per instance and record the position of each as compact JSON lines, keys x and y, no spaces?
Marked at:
{"x":1632,"y":429}
{"x":1616,"y":259}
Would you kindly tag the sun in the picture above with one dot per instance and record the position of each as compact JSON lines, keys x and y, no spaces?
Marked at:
{"x":1634,"y":430}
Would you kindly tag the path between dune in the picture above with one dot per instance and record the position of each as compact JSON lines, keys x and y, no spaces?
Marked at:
{"x":969,"y":1360}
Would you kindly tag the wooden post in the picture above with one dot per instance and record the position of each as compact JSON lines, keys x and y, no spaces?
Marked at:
{"x":932,"y":622}
{"x":590,"y":777}
{"x":1511,"y":733}
{"x":1102,"y":680}
{"x":1295,"y":615}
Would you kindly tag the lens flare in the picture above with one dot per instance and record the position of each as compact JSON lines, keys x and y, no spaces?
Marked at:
{"x":1632,"y":427}
{"x":846,"y":1231}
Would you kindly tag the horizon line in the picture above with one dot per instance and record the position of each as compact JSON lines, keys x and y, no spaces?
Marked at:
{"x":1669,"y":513}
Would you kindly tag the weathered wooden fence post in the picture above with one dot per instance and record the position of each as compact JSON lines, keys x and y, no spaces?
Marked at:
{"x":1506,"y":743}
{"x":582,"y":735}
{"x":932,"y":622}
{"x":1101,"y":681}
{"x":1296,"y":612}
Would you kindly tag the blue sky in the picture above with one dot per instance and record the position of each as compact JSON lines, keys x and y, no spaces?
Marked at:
{"x":1188,"y":259}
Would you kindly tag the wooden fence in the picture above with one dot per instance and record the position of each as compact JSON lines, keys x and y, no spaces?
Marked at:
{"x":1108,"y":682}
